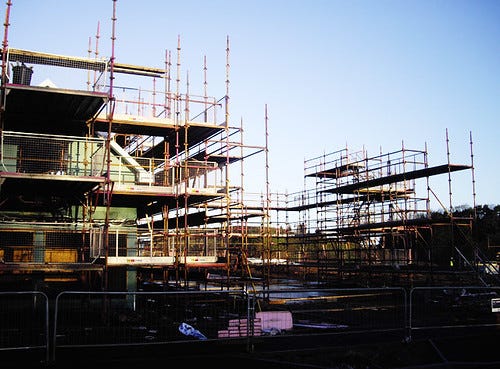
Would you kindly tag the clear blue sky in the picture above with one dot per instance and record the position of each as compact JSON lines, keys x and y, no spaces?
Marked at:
{"x":361,"y":74}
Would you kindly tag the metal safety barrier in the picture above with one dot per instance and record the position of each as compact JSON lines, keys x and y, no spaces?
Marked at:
{"x":82,"y":319}
{"x":24,"y":323}
{"x":441,"y":309}
{"x":91,"y":319}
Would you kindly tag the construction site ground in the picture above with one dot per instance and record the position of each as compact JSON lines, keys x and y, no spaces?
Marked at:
{"x":450,"y":350}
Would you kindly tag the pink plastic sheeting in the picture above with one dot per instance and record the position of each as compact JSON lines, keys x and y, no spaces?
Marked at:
{"x":281,"y":320}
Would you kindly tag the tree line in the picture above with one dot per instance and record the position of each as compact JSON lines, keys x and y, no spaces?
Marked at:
{"x":485,"y":232}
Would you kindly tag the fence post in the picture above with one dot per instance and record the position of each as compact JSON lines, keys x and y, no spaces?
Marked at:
{"x":250,"y":320}
{"x":408,"y":312}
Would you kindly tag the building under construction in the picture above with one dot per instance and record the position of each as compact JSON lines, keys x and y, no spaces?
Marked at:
{"x":367,"y":221}
{"x":113,"y":185}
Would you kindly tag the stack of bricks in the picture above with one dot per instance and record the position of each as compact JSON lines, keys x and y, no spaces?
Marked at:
{"x":240,"y":328}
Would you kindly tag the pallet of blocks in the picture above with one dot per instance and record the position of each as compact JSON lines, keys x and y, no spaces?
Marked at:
{"x":241,"y":328}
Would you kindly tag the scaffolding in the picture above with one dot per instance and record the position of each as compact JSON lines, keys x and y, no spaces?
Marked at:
{"x":135,"y":181}
{"x":131,"y":181}
{"x":367,"y":220}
